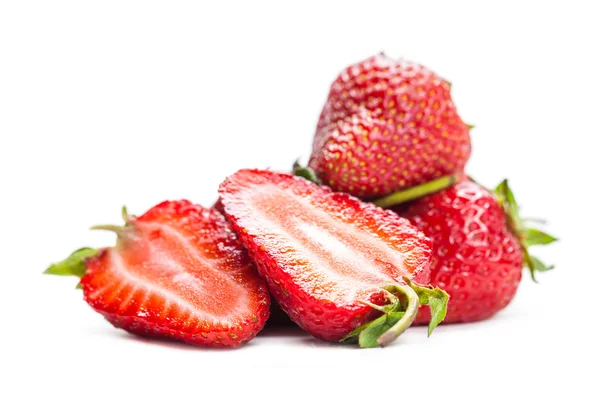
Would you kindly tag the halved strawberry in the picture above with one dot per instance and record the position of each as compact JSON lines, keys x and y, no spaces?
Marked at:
{"x":177,"y":272}
{"x":332,"y":262}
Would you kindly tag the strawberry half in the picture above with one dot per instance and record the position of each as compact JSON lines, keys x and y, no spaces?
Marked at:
{"x":340,"y":268}
{"x":177,"y":272}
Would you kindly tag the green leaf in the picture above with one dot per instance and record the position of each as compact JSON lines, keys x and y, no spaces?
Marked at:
{"x":436,"y":298}
{"x":510,"y":198}
{"x":74,"y":265}
{"x":305,"y":172}
{"x":368,"y":336}
{"x":398,"y":315}
{"x":356,"y":331}
{"x":499,"y":191}
{"x":507,"y":200}
{"x":538,"y":265}
{"x":526,"y":236}
{"x":438,"y":308}
{"x":536,"y":237}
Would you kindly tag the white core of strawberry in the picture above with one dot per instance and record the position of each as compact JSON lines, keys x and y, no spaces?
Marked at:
{"x":340,"y":261}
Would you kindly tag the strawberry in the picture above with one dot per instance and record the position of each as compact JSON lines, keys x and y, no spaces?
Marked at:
{"x":387,"y":125}
{"x":480,"y":246}
{"x":340,"y":268}
{"x":177,"y":272}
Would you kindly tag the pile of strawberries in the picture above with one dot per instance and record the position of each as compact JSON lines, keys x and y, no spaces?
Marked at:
{"x":380,"y":230}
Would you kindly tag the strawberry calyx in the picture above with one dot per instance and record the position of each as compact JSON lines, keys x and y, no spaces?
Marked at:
{"x":305,"y":172}
{"x":404,"y":301}
{"x":74,"y":264}
{"x":526,"y":236}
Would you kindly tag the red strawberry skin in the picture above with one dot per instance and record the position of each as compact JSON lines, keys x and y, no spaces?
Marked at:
{"x":476,"y":259}
{"x":321,"y":252}
{"x":388,"y":125}
{"x":179,"y":272}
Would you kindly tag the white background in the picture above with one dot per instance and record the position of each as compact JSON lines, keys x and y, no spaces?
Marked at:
{"x":114,"y":102}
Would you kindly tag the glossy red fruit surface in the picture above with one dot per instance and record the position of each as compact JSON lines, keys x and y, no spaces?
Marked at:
{"x":388,"y":125}
{"x":322,"y":253}
{"x":179,"y":272}
{"x":476,"y":258}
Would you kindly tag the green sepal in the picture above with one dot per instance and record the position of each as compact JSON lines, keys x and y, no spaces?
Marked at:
{"x":404,"y":300}
{"x":368,"y":336}
{"x":73,"y":265}
{"x":356,"y":332}
{"x":509,"y":204}
{"x":534,"y":237}
{"x":436,"y":299}
{"x":305,"y":172}
{"x":539,"y":265}
{"x":526,"y":236}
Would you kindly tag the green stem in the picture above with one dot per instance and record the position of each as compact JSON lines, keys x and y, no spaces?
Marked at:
{"x":416,"y":192}
{"x":113,"y":228}
{"x":118,"y":229}
{"x":409,"y":315}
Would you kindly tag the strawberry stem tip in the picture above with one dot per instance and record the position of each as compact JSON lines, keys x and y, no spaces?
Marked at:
{"x":118,"y":229}
{"x":418,"y":191}
{"x":398,"y":315}
{"x":527,"y":236}
{"x":125,"y":215}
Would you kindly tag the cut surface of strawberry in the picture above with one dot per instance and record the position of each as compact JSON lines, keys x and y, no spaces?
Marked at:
{"x":178,"y":272}
{"x":329,"y":259}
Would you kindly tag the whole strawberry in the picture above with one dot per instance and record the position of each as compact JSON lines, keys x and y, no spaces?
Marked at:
{"x":340,"y":268}
{"x":177,"y":272}
{"x":388,"y":125}
{"x":479,"y":247}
